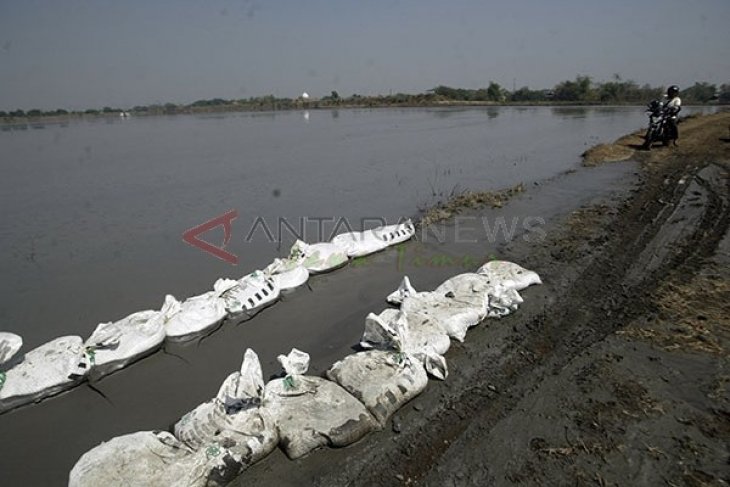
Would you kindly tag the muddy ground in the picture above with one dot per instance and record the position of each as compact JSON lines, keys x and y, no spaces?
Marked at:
{"x":614,"y":372}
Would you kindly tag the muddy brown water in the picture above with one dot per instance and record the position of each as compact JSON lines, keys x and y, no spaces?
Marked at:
{"x":94,"y":213}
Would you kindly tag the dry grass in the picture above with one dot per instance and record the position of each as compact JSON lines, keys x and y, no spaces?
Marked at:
{"x":469,"y":199}
{"x":692,"y":316}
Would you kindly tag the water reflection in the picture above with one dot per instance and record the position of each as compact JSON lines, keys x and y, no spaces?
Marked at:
{"x":571,"y":112}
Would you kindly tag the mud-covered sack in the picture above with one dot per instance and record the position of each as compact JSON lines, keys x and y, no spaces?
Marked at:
{"x":312,"y":412}
{"x":315,"y":412}
{"x":359,"y":244}
{"x":113,"y":346}
{"x":250,"y":295}
{"x":197,"y":314}
{"x":287,"y":274}
{"x":10,"y":343}
{"x":391,"y":331}
{"x":47,"y":370}
{"x":509,"y":274}
{"x":454,"y":312}
{"x":318,"y":257}
{"x":147,"y":458}
{"x":234,"y":424}
{"x":394,"y":234}
{"x":424,"y":331}
{"x":382,"y":380}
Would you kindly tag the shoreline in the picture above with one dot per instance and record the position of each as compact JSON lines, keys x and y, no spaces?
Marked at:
{"x":78,"y":116}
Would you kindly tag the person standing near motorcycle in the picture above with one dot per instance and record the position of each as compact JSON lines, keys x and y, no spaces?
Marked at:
{"x":672,"y":106}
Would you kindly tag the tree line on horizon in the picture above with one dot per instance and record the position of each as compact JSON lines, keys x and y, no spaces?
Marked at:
{"x":581,"y":90}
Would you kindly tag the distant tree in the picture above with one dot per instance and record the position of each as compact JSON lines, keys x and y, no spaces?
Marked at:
{"x":17,"y":113}
{"x":526,"y":94}
{"x":335,"y":96}
{"x":724,"y":97}
{"x":699,"y":93}
{"x":3,"y":113}
{"x":495,"y":92}
{"x":34,"y":113}
{"x":91,"y":111}
{"x":577,"y":90}
{"x":108,"y":110}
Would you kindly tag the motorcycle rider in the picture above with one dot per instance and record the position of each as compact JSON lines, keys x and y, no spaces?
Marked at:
{"x":672,"y":106}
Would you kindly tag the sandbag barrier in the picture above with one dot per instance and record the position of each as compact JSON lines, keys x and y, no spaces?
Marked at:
{"x":401,"y":348}
{"x":66,"y":362}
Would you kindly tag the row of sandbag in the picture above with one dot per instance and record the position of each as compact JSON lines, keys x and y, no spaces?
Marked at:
{"x":66,"y":361}
{"x":219,"y":439}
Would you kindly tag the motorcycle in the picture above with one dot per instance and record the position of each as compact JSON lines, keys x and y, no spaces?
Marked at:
{"x":662,"y":124}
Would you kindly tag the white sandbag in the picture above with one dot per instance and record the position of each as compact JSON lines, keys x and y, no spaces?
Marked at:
{"x":318,"y":257}
{"x":250,"y":295}
{"x":287,"y":274}
{"x":394,"y":234}
{"x":147,"y":458}
{"x":422,"y":330}
{"x":426,"y":341}
{"x":382,"y":381}
{"x":359,"y":244}
{"x":233,"y":423}
{"x":510,"y":274}
{"x":47,"y":370}
{"x":404,"y":290}
{"x":198,"y":314}
{"x":386,"y":378}
{"x":311,"y":412}
{"x":502,"y":295}
{"x":10,"y":343}
{"x":503,"y":300}
{"x":113,"y":346}
{"x":456,"y":305}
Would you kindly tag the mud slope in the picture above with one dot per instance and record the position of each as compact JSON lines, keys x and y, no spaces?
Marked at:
{"x":614,"y":372}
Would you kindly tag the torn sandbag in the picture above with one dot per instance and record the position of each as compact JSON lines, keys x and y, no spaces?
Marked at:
{"x":113,"y":346}
{"x":359,"y":244}
{"x":10,"y":343}
{"x":510,"y":274}
{"x":198,"y":314}
{"x":311,"y":412}
{"x":146,"y":458}
{"x":426,"y":340}
{"x":318,"y":257}
{"x":233,"y":423}
{"x":423,"y":331}
{"x":250,"y":295}
{"x":386,"y":378}
{"x":47,"y":370}
{"x":394,"y":234}
{"x":287,"y":274}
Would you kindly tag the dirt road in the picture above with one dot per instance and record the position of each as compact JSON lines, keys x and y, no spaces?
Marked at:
{"x":614,"y":372}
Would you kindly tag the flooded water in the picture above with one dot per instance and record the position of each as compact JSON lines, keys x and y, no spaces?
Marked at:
{"x":93,"y":214}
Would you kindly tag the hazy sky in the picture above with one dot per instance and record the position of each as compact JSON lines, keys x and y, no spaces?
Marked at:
{"x":90,"y":53}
